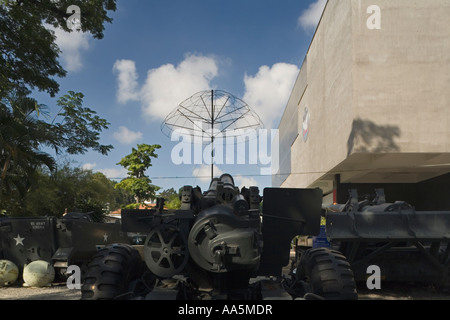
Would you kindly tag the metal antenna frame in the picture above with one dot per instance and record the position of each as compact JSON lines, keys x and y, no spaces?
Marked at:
{"x":194,"y":112}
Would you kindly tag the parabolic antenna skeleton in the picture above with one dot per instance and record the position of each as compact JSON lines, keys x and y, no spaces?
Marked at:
{"x":209,"y":114}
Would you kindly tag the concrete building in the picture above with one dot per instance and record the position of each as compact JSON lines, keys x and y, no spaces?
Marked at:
{"x":371,"y":104}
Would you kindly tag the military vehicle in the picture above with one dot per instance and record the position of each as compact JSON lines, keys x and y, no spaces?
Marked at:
{"x":222,"y":244}
{"x":405,"y":244}
{"x":70,"y":240}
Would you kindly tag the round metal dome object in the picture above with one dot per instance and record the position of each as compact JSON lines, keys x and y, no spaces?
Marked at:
{"x":38,"y":273}
{"x":9,"y":272}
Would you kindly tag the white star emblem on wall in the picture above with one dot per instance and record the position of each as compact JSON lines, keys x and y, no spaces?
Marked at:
{"x":19,"y":240}
{"x":105,"y":237}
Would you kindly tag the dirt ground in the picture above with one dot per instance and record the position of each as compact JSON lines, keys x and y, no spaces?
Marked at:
{"x":54,"y":292}
{"x":401,"y":291}
{"x":394,"y":291}
{"x":388,"y":291}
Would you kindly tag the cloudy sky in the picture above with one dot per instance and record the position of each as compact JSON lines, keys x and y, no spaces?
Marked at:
{"x":157,"y":54}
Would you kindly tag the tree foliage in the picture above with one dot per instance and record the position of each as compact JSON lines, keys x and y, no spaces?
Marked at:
{"x":172,"y":198}
{"x":29,"y":61}
{"x":137,"y":163}
{"x":23,"y":134}
{"x":79,"y":127}
{"x":28,"y":52}
{"x":68,"y":189}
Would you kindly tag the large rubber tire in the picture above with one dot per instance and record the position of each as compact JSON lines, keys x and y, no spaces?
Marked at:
{"x":110,"y":272}
{"x":329,"y":274}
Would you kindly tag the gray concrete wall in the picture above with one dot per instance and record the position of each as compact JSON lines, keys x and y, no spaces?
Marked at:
{"x":327,"y":93}
{"x":378,"y":99}
{"x":402,"y":75}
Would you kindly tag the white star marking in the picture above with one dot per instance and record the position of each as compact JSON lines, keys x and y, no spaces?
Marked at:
{"x":105,"y":237}
{"x":19,"y":240}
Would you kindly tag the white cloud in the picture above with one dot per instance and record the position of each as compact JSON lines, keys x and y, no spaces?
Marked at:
{"x":241,"y":181}
{"x":89,"y":166}
{"x":71,"y":44}
{"x":203,"y":173}
{"x":268,"y":92}
{"x":127,"y":80}
{"x":113,"y":173}
{"x":166,"y":86}
{"x":310,"y":17}
{"x":110,"y":173}
{"x":126,"y":136}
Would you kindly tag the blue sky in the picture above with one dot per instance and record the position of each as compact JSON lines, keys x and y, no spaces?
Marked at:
{"x":157,"y":53}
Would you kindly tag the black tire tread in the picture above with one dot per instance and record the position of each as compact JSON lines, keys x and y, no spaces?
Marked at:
{"x":329,"y":274}
{"x":110,"y":272}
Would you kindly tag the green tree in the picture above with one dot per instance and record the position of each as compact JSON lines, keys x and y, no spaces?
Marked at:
{"x":29,"y":61}
{"x":172,"y":198}
{"x":23,"y":134}
{"x":72,"y":190}
{"x":137,"y":163}
{"x":28,"y":52}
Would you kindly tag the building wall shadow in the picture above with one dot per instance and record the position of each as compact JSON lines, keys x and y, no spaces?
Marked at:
{"x":367,"y":136}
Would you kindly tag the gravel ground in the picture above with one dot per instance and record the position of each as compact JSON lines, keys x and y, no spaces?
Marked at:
{"x":392,"y":291}
{"x":54,"y":292}
{"x":388,"y":291}
{"x":401,"y":291}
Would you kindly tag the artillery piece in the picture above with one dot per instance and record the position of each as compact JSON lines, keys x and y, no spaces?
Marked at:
{"x":407,"y":245}
{"x":223,"y":244}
